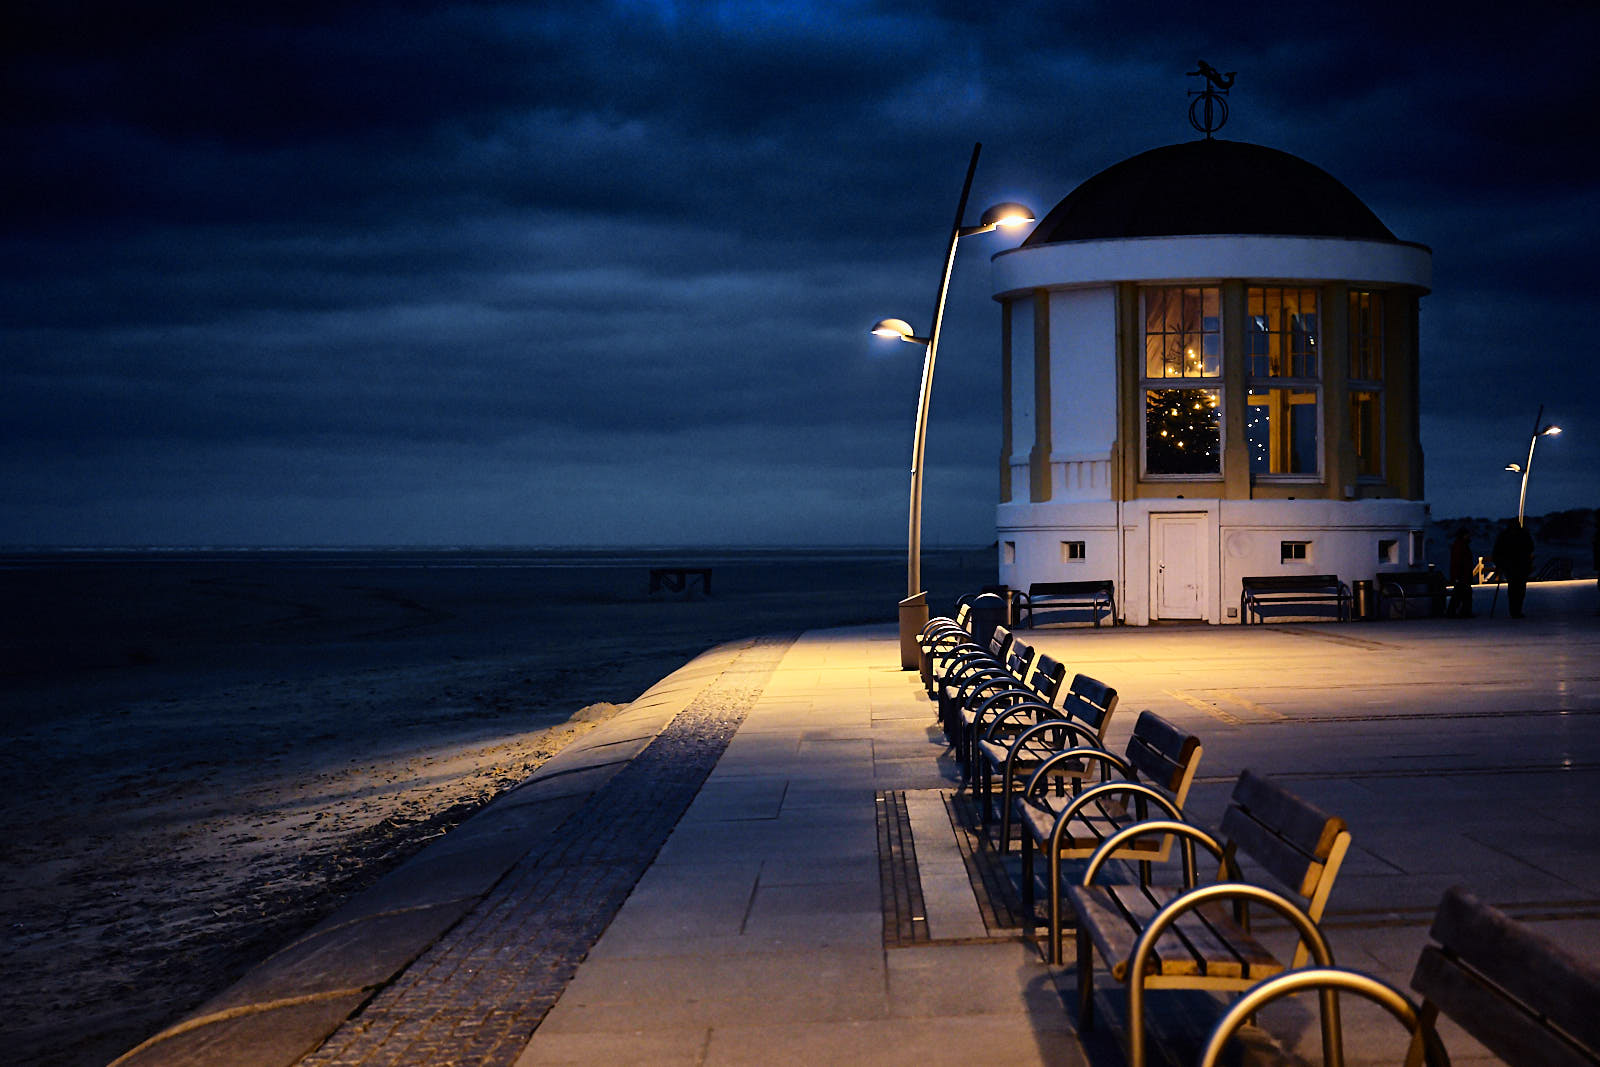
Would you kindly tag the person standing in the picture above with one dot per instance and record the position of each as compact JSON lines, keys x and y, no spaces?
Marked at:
{"x":1513,"y":558}
{"x":1461,"y":566}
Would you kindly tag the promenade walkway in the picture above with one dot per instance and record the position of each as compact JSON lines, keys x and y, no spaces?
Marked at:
{"x":759,"y":862}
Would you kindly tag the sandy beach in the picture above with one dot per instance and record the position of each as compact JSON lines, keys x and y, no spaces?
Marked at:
{"x":208,"y":752}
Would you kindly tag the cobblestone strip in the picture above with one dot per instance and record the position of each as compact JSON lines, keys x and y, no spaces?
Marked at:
{"x":905,"y":920}
{"x":479,"y":993}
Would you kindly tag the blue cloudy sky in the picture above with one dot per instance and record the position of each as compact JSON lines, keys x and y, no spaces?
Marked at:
{"x":394,"y":271}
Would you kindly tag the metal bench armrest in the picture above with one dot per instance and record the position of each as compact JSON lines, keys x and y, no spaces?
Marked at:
{"x":1425,"y":1048}
{"x":1107,"y":760}
{"x":1014,"y":711}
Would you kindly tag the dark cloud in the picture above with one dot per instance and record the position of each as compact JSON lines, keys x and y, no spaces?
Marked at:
{"x":408,"y":271}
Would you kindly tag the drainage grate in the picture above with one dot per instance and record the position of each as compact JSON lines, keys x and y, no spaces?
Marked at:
{"x":990,"y":875}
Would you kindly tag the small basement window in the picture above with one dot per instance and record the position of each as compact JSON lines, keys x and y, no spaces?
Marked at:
{"x":1388,"y":550}
{"x":1294,"y":551}
{"x":1008,"y":553}
{"x":1073,"y":552}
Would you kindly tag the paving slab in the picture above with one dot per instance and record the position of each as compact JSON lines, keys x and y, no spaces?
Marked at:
{"x":814,"y":896}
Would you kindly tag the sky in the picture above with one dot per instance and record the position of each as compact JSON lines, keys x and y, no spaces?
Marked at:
{"x":407,"y":272}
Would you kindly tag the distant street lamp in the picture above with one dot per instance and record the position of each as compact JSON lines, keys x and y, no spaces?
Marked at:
{"x":1525,"y":469}
{"x":914,"y":609}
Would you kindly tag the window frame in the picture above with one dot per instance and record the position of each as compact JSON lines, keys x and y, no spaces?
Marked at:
{"x":1200,"y":382}
{"x":1368,"y":351}
{"x":1289,"y":383}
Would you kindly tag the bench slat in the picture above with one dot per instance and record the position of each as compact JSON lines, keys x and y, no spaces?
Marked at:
{"x":1289,"y":583}
{"x":1503,"y":1027}
{"x":1210,"y":945}
{"x":1161,"y":751}
{"x":1047,"y":676}
{"x":1114,"y":916}
{"x":1289,"y":837}
{"x":1091,"y":702}
{"x":1085,"y":832}
{"x":1528,"y":966}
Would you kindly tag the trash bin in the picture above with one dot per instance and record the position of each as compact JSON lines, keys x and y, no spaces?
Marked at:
{"x":1009,"y":595}
{"x":988,"y":611}
{"x":1365,"y":596}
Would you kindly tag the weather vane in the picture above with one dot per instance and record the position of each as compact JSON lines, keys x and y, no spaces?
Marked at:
{"x":1208,"y":111}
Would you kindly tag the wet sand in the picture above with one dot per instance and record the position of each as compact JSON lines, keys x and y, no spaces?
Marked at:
{"x":206,"y":755}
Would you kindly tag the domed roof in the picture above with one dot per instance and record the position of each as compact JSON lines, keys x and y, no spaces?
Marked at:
{"x":1210,"y":187}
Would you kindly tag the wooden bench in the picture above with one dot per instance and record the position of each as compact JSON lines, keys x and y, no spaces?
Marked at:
{"x":941,"y":632}
{"x":1398,"y":589}
{"x":1522,"y":995}
{"x":982,"y":704}
{"x":953,"y":694}
{"x":1157,"y":937}
{"x":956,"y":664}
{"x":1158,"y":769}
{"x":679,"y":579}
{"x":1021,"y":738}
{"x":1260,"y":594}
{"x":1067,"y":598}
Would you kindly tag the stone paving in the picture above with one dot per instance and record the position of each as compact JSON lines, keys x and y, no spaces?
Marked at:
{"x":814,"y":897}
{"x":477,"y":994}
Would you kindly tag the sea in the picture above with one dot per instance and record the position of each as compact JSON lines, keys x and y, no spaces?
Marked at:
{"x":66,"y":612}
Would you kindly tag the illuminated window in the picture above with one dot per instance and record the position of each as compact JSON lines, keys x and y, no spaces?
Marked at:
{"x":1366,"y":423}
{"x":1182,"y":350}
{"x":1281,"y":422}
{"x":1366,"y":336}
{"x":1366,"y":383}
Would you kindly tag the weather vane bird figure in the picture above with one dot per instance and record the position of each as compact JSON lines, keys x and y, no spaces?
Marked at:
{"x":1208,"y":111}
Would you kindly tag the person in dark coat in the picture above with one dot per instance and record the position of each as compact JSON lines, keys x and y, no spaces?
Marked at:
{"x":1513,"y":558}
{"x":1461,"y":561}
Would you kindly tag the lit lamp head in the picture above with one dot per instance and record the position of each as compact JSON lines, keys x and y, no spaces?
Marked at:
{"x":1550,"y":431}
{"x":1514,"y":468}
{"x":1007,"y":214}
{"x":897,"y":328}
{"x":1001,"y":215}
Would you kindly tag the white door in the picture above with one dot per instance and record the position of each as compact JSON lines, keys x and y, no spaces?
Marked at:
{"x":1177,"y":566}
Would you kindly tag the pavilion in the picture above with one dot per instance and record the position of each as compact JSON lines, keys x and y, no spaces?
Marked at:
{"x":1209,"y":368}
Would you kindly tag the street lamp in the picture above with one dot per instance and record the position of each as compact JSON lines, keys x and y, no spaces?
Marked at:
{"x":914,"y":609}
{"x":1526,"y":469}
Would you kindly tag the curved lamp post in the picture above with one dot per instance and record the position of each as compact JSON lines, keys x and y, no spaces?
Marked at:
{"x":914,"y":609}
{"x":1525,"y":469}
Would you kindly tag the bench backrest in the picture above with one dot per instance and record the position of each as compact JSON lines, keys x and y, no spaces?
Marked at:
{"x":1288,"y":583}
{"x":1000,"y":643}
{"x":1101,"y":585}
{"x":1046,"y":677}
{"x":1019,"y":661}
{"x":1091,"y":702}
{"x":1524,"y":996}
{"x":1299,"y":844}
{"x":1164,"y":755}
